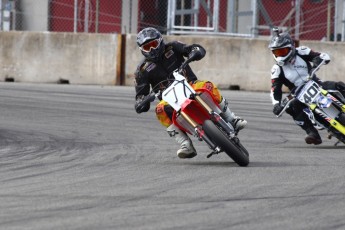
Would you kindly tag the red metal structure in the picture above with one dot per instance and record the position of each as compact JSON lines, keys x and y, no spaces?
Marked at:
{"x":104,"y":16}
{"x":316,"y":17}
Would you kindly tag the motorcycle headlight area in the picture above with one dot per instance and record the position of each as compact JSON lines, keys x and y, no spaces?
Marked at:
{"x":323,"y":101}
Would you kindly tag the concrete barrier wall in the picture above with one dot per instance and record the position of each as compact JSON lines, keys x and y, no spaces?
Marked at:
{"x":93,"y":58}
{"x":49,"y":57}
{"x":243,"y":62}
{"x":228,"y":61}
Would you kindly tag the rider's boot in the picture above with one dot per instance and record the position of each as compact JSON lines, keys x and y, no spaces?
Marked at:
{"x":237,"y":122}
{"x":187,"y":149}
{"x":313,"y":136}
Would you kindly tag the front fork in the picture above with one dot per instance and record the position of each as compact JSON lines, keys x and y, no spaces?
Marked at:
{"x":333,"y":122}
{"x":214,"y":117}
{"x":200,"y":134}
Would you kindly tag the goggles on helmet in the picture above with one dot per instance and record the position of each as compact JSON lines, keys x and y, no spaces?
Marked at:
{"x":282,"y":52}
{"x":147,"y":47}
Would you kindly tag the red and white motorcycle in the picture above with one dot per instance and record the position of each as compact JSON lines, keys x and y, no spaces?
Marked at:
{"x":197,"y":113}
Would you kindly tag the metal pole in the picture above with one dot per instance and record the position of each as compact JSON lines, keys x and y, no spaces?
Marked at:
{"x":216,"y":15}
{"x":182,"y":15}
{"x":343,"y":21}
{"x":14,"y":15}
{"x":7,"y":17}
{"x":173,"y":12}
{"x":97,"y":16}
{"x":208,"y":17}
{"x":196,"y":17}
{"x":255,"y":18}
{"x":297,"y":19}
{"x":134,"y":16}
{"x":336,"y":20}
{"x":0,"y":15}
{"x":75,"y":22}
{"x":230,"y":25}
{"x":328,"y":36}
{"x":169,"y":18}
{"x":86,"y":16}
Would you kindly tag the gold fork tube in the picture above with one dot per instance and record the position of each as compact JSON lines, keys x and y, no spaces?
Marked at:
{"x":189,"y":119}
{"x":202,"y":102}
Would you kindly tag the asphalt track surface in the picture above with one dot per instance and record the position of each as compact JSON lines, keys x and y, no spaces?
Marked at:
{"x":79,"y":157}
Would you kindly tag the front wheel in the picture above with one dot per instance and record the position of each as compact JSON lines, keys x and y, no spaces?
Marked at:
{"x":233,"y":148}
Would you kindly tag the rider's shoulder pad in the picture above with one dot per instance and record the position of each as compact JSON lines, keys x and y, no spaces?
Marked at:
{"x":303,"y":50}
{"x":275,"y":71}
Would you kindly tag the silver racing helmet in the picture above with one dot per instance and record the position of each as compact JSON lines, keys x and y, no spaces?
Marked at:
{"x":151,"y":43}
{"x":282,"y":47}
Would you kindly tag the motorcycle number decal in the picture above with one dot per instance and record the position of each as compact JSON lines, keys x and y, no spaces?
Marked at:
{"x":309,"y":93}
{"x":178,"y":92}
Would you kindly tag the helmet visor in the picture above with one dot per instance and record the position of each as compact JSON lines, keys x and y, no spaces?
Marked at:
{"x":147,"y":47}
{"x":282,"y":52}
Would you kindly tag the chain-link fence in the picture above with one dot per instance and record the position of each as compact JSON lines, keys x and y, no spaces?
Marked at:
{"x":88,"y":16}
{"x":304,"y":19}
{"x":92,"y":16}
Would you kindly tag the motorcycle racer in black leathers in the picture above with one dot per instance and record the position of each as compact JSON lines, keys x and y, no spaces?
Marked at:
{"x":161,"y":59}
{"x":292,"y":68}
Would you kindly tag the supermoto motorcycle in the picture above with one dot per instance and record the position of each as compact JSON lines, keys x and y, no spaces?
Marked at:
{"x":325,"y":108}
{"x":197,"y":113}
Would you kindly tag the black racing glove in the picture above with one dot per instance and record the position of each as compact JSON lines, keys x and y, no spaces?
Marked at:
{"x":195,"y":55}
{"x":143,"y":103}
{"x":140,"y":107}
{"x":323,"y":56}
{"x":277,"y":108}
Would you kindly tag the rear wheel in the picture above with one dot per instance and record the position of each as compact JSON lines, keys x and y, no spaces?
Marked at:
{"x":233,"y":148}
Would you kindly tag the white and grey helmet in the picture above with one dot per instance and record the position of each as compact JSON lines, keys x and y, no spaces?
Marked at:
{"x":151,"y":43}
{"x":282,"y":47}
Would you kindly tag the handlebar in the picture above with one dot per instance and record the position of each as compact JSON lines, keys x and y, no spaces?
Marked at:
{"x":286,"y":103}
{"x":316,"y":69}
{"x":147,"y":99}
{"x":183,"y":65}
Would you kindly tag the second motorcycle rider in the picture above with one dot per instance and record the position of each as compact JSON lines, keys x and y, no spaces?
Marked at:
{"x":292,"y":68}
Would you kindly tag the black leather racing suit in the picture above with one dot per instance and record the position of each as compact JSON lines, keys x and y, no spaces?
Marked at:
{"x":150,"y":74}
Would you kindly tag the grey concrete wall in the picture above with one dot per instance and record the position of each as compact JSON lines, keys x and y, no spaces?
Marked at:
{"x":335,"y":70}
{"x":243,"y":62}
{"x":48,"y":57}
{"x":92,"y":59}
{"x":228,"y":61}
